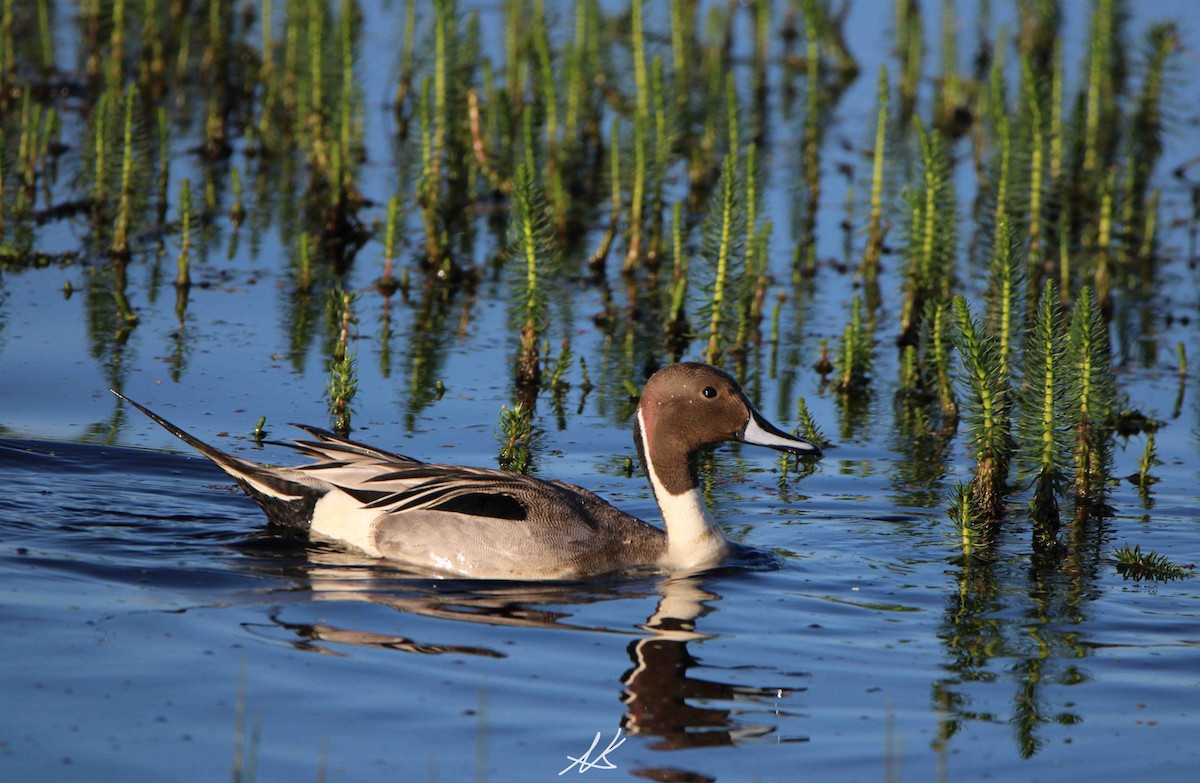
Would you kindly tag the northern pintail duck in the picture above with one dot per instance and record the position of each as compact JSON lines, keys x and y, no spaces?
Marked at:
{"x":491,"y":524}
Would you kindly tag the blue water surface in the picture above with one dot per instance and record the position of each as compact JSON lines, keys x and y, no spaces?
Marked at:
{"x":157,"y":630}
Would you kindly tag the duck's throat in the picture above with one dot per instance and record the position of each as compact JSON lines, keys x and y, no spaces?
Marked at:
{"x":694,"y":539}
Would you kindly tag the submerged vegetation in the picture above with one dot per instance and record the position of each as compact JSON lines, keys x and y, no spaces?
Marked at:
{"x":627,"y":152}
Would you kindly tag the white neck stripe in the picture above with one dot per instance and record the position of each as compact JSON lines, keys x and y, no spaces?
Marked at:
{"x":694,"y":539}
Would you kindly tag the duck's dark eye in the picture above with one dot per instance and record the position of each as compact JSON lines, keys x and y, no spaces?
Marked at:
{"x":709,"y":392}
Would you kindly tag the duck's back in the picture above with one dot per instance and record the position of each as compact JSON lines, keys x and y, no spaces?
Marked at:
{"x":519,"y":528}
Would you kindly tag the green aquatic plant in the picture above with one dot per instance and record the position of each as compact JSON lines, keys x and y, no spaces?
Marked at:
{"x":1102,"y":245}
{"x":1042,"y":434}
{"x":658,"y":171}
{"x":721,"y":238}
{"x":578,"y":63}
{"x":931,"y":235}
{"x":1006,"y":295}
{"x":1091,"y":397}
{"x":27,"y":154}
{"x":546,"y":90}
{"x":855,"y":352}
{"x":237,"y":209}
{"x":986,"y":409}
{"x":873,"y":252}
{"x":753,"y":201}
{"x":676,"y":328}
{"x":1146,"y":463}
{"x":558,"y":382}
{"x":304,"y":272}
{"x":404,"y":80}
{"x":129,"y":316}
{"x":938,"y":323}
{"x":807,"y":427}
{"x":1093,"y":139}
{"x":343,"y":377}
{"x":804,"y":260}
{"x":599,"y":257}
{"x":115,"y":74}
{"x":910,"y":47}
{"x":183,"y":275}
{"x":530,"y":236}
{"x":1146,"y":129}
{"x":1057,"y":132}
{"x":163,"y":179}
{"x":445,"y":139}
{"x":388,"y":283}
{"x":585,"y":382}
{"x":259,"y":431}
{"x":102,"y":120}
{"x":1031,"y":150}
{"x":754,"y":264}
{"x":972,"y":533}
{"x":1106,"y":82}
{"x":950,"y":112}
{"x":429,"y":187}
{"x":991,"y":107}
{"x":515,"y":434}
{"x":911,"y":382}
{"x":1183,"y":374}
{"x":8,"y":45}
{"x":1137,"y":565}
{"x":641,"y":127}
{"x":545,"y":85}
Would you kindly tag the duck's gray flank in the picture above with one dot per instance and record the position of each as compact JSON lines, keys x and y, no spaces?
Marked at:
{"x":487,"y":523}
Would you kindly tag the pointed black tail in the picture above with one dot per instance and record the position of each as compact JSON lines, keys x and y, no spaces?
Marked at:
{"x":286,"y":498}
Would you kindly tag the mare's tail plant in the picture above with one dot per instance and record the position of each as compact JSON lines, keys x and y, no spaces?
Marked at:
{"x":972,"y":533}
{"x":183,"y":278}
{"x":1146,"y":131}
{"x":120,"y":242}
{"x":804,"y":262}
{"x":939,"y":342}
{"x":641,"y":129}
{"x":530,"y":235}
{"x":1091,"y":396}
{"x":1005,"y":299}
{"x":1137,"y":565}
{"x":910,"y":45}
{"x":343,"y":380}
{"x":806,"y":428}
{"x":722,"y":235}
{"x":516,"y":436}
{"x":986,"y":408}
{"x":387,"y":283}
{"x":1044,"y":440}
{"x":932,"y":239}
{"x":869,"y":268}
{"x":855,"y":353}
{"x":677,"y":328}
{"x":596,"y":263}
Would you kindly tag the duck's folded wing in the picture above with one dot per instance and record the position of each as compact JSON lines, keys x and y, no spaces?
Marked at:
{"x":469,"y":491}
{"x":396,"y":484}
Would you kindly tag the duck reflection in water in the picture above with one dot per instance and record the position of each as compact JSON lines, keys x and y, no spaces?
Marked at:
{"x":659,"y":694}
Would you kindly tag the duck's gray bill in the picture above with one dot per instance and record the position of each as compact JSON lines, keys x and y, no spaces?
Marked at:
{"x":761,"y":432}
